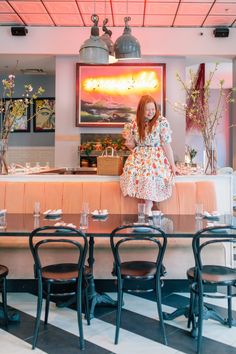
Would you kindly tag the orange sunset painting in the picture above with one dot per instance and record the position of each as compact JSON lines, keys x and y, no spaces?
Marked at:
{"x":108,"y":95}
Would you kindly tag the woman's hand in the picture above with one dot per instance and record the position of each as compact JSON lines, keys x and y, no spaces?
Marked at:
{"x":130,"y":143}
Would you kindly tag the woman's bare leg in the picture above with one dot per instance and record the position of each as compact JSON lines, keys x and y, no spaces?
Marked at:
{"x":155,"y":206}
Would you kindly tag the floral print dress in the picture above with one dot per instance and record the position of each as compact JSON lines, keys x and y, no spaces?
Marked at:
{"x":147,"y":173}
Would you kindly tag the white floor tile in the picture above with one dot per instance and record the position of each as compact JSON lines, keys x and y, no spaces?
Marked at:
{"x":13,"y":345}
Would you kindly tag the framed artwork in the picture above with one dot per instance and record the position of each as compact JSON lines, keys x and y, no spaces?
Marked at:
{"x":21,"y":123}
{"x":44,"y":115}
{"x":107,"y":96}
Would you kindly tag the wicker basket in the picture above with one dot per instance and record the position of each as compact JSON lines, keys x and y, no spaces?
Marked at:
{"x":109,"y":164}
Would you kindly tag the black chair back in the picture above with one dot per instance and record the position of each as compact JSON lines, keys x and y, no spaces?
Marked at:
{"x":209,"y":236}
{"x":130,"y":233}
{"x":56,"y":235}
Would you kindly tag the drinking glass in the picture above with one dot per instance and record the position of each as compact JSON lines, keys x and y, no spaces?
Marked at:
{"x":85,"y":208}
{"x":27,"y":167}
{"x":3,"y":220}
{"x":13,"y":167}
{"x":141,"y":210}
{"x":156,"y":218}
{"x":228,"y":219}
{"x":37,"y":209}
{"x":37,"y":166}
{"x":83,"y":221}
{"x":198,"y":211}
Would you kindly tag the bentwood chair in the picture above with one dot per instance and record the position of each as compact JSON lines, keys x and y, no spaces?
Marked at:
{"x":204,"y":276}
{"x":3,"y":283}
{"x":59,"y":278}
{"x":138,"y":275}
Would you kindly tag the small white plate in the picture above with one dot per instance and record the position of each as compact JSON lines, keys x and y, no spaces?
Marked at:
{"x":142,"y":229}
{"x":219,"y":231}
{"x":207,"y":215}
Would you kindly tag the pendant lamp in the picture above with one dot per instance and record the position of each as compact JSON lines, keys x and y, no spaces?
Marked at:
{"x":94,"y":50}
{"x":127,"y":46}
{"x":106,"y":37}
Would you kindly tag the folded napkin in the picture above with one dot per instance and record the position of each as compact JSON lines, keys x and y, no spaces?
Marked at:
{"x":65,"y":224}
{"x":213,"y":215}
{"x":213,"y":224}
{"x":53,"y":212}
{"x":98,"y":212}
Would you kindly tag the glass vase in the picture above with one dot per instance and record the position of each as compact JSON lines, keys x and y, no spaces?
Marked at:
{"x":210,"y":157}
{"x":3,"y":156}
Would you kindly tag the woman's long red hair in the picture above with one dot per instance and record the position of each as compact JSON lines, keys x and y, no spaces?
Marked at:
{"x":140,"y":115}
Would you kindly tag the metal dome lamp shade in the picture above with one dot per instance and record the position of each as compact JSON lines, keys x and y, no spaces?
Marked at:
{"x":127,"y":46}
{"x":94,"y":50}
{"x":106,"y":37}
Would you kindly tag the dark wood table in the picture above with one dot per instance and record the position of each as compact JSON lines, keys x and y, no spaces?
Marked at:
{"x":175,"y":226}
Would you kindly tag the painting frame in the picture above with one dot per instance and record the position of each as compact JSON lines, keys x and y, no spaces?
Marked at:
{"x":44,"y":115}
{"x":22,"y":124}
{"x":96,"y":106}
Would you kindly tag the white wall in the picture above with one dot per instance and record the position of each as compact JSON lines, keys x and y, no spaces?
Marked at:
{"x":154,"y":41}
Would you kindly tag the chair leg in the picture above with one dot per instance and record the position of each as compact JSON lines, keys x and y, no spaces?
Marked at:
{"x":200,"y":319}
{"x":38,"y":315}
{"x":229,"y":293}
{"x":119,"y":306}
{"x":47,"y":303}
{"x":86,"y":307}
{"x":4,"y":300}
{"x":159,"y":309}
{"x":192,"y":308}
{"x":79,"y":313}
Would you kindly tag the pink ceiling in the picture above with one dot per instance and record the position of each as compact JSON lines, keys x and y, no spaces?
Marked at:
{"x":143,"y":13}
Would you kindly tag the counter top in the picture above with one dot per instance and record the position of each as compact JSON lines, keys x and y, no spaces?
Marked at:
{"x":53,"y":176}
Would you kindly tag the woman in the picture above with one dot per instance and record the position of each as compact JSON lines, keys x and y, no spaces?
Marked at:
{"x":149,"y":170}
